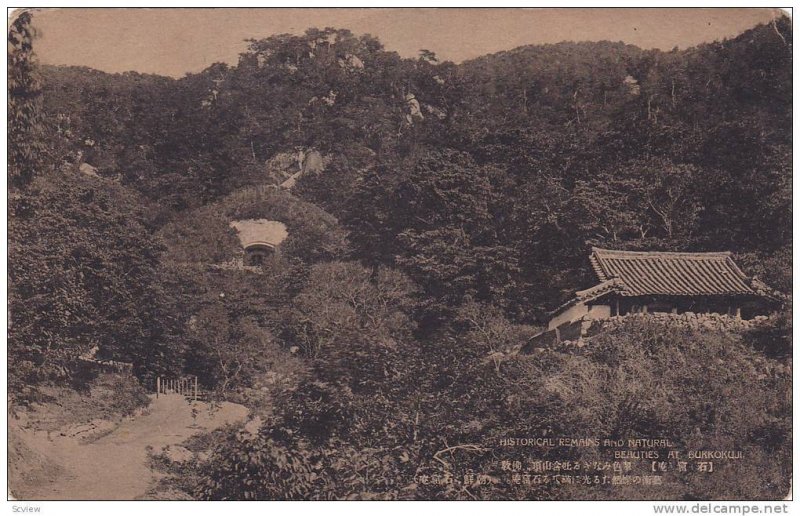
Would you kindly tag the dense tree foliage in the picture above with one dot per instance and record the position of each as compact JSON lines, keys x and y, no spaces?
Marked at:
{"x":451,"y":207}
{"x":376,"y":438}
{"x":26,"y":147}
{"x":84,"y":265}
{"x":573,"y":144}
{"x":83,"y":273}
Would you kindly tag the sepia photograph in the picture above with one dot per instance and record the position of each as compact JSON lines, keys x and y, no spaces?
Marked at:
{"x":396,"y":254}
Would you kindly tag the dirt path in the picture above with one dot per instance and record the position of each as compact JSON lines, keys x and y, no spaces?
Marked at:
{"x":114,"y":467}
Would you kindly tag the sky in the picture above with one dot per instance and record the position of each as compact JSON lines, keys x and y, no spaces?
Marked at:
{"x":175,"y":41}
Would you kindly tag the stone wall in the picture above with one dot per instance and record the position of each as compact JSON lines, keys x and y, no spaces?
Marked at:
{"x":700,"y":321}
{"x":579,"y":333}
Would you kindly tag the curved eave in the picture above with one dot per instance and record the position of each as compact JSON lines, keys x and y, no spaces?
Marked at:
{"x":615,"y":286}
{"x":267,"y":246}
{"x":590,"y":294}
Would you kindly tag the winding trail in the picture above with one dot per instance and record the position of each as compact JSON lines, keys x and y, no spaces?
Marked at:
{"x":114,"y":467}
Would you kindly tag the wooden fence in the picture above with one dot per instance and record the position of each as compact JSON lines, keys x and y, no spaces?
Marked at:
{"x":184,"y":386}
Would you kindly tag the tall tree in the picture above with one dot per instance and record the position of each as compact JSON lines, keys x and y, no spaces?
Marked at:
{"x":26,"y":148}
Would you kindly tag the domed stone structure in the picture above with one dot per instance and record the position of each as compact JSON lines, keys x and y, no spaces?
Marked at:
{"x":259,"y":238}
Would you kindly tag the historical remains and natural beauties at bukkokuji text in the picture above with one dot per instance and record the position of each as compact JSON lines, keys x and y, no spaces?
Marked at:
{"x":330,"y":272}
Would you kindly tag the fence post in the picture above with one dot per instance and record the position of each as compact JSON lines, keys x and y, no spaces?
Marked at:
{"x":187,"y":386}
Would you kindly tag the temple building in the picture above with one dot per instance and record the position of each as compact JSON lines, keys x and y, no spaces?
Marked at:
{"x":632,"y":282}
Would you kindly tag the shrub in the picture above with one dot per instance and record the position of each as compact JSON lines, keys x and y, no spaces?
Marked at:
{"x":702,"y":390}
{"x":83,"y":272}
{"x":202,"y":235}
{"x":243,"y":468}
{"x":378,"y":413}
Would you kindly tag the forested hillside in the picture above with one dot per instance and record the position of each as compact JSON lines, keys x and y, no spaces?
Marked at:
{"x":456,"y":204}
{"x":526,"y":156}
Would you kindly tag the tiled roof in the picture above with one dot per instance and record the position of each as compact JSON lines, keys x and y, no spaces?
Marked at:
{"x":635,"y":273}
{"x":675,"y":274}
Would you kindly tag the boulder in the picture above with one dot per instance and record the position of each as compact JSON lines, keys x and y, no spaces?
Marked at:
{"x":178,"y":454}
{"x":88,"y":170}
{"x":254,"y":425}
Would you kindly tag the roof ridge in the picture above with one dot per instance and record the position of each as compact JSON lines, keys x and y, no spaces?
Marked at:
{"x":601,"y":252}
{"x":598,"y":267}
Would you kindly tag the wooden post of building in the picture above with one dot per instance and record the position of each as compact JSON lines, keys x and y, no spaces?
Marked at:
{"x":158,"y":385}
{"x":738,"y":312}
{"x":195,"y":388}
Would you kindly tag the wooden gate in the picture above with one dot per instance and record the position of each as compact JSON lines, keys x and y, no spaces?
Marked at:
{"x":183,"y":386}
